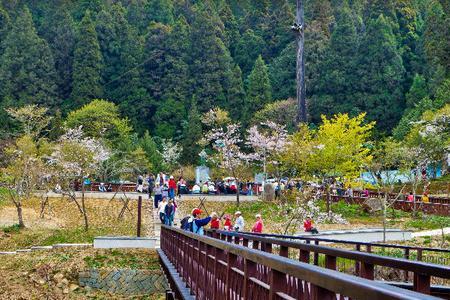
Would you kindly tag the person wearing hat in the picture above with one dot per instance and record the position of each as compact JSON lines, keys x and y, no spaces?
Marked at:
{"x":227,"y":225}
{"x":258,"y":226}
{"x":239,"y":223}
{"x":172,"y":187}
{"x":197,"y":223}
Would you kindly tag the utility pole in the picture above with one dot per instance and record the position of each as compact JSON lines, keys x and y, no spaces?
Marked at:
{"x":299,"y":28}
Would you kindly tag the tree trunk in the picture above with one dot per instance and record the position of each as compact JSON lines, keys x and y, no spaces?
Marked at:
{"x":19,"y":214}
{"x":83,"y":206}
{"x":237,"y":191}
{"x":384,"y":216}
{"x":328,"y":200}
{"x":301,"y":92}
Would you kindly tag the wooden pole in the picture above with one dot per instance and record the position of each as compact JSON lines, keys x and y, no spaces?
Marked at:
{"x":139,"y":216}
{"x":299,"y":27}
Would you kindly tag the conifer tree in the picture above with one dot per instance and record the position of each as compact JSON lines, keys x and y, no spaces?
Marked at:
{"x":417,"y":92}
{"x":258,"y":88}
{"x":4,"y":26}
{"x":88,"y":64}
{"x":381,"y":75}
{"x":27,"y":72}
{"x":60,"y":33}
{"x":210,"y":60}
{"x":247,"y":50}
{"x":160,"y":11}
{"x":192,"y":133}
{"x":236,"y":95}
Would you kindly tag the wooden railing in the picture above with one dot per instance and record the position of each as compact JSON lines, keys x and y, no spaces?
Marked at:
{"x":435,"y":207}
{"x":432,"y":255}
{"x":216,"y":269}
{"x":364,"y":264}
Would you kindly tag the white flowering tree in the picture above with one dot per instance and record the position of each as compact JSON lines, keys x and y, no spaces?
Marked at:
{"x":225,"y":140}
{"x":170,"y":152}
{"x":268,"y":141}
{"x":74,"y":159}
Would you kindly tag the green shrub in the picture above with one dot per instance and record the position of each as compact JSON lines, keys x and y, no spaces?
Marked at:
{"x":11,"y":229}
{"x":348,"y":210}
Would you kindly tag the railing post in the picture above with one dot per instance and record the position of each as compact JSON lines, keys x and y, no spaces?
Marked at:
{"x":231,"y":262}
{"x":330,"y":262}
{"x":422,"y":283}
{"x":249,"y":271}
{"x":316,"y":255}
{"x":245,"y":242}
{"x":304,"y":256}
{"x":367,"y":271}
{"x":284,"y":251}
{"x":255,"y":244}
{"x":139,"y":218}
{"x":419,"y":254}
{"x":267,"y":247}
{"x":357,"y":264}
{"x":277,"y":283}
{"x":369,"y":248}
{"x":406,"y":256}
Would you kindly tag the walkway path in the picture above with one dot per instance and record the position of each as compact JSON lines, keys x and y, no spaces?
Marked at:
{"x":431,"y":232}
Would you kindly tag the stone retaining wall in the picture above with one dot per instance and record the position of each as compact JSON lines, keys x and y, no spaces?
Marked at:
{"x":124,"y":281}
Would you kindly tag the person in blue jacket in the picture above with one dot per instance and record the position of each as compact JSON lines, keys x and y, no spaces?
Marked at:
{"x":197,"y":223}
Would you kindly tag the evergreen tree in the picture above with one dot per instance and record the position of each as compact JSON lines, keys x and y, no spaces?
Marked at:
{"x":436,"y":44}
{"x":236,"y":95}
{"x":282,"y":73}
{"x":247,"y":50}
{"x":168,"y":119}
{"x":192,"y":133}
{"x":4,"y":26}
{"x":149,"y":146}
{"x":417,"y":92}
{"x":87,"y":67}
{"x":160,"y":11}
{"x":60,"y":33}
{"x":258,"y":88}
{"x":210,"y":60}
{"x":381,"y":75}
{"x":27,"y":73}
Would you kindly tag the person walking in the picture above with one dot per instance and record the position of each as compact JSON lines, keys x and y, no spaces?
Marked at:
{"x":140,"y":184}
{"x":162,"y":210}
{"x":169,"y":213}
{"x":239,"y":223}
{"x":158,"y":195}
{"x":258,"y":226}
{"x":151,"y":185}
{"x":172,"y":187}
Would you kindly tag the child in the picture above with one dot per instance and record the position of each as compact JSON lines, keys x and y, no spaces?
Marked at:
{"x":227,"y":225}
{"x":215,"y":221}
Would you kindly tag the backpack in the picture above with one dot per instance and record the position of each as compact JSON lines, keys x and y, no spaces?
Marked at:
{"x":185,"y":224}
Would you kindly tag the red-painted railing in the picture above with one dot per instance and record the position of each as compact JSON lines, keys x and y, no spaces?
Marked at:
{"x":365,"y":264}
{"x":216,"y":269}
{"x":436,"y":208}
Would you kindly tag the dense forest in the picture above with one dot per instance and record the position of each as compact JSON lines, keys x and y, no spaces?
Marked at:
{"x":165,"y":62}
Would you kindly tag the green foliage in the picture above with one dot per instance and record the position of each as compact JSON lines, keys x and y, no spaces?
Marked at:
{"x":27,"y":73}
{"x":192,"y":133}
{"x":348,"y":210}
{"x":259,"y":91}
{"x":87,"y":64}
{"x":281,"y":112}
{"x":428,"y":223}
{"x":11,"y":229}
{"x":119,"y":259}
{"x":101,"y":118}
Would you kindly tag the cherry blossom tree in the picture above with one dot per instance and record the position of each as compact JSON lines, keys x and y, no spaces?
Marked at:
{"x":74,"y":159}
{"x":268,"y":141}
{"x":225,"y":139}
{"x":170,"y":153}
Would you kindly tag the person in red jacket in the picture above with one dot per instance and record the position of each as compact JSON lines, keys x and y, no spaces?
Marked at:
{"x":215,"y":221}
{"x":308,"y":226}
{"x":227,"y":225}
{"x":172,"y":188}
{"x":258,"y":226}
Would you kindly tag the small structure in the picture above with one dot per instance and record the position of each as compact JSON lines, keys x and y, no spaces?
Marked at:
{"x":110,"y":242}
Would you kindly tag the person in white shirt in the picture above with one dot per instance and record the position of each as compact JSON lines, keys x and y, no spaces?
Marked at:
{"x":239,"y":223}
{"x":162,"y":209}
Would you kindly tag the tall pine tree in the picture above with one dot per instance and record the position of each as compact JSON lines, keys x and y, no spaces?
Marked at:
{"x":381,"y":75}
{"x":259,"y":91}
{"x":88,"y":64}
{"x":27,"y":72}
{"x":192,"y":133}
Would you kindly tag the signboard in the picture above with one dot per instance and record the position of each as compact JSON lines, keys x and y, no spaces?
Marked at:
{"x":201,"y":174}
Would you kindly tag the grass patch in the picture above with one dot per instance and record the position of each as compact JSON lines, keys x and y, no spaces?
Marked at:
{"x":428,"y":222}
{"x":11,"y":229}
{"x":120,"y":259}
